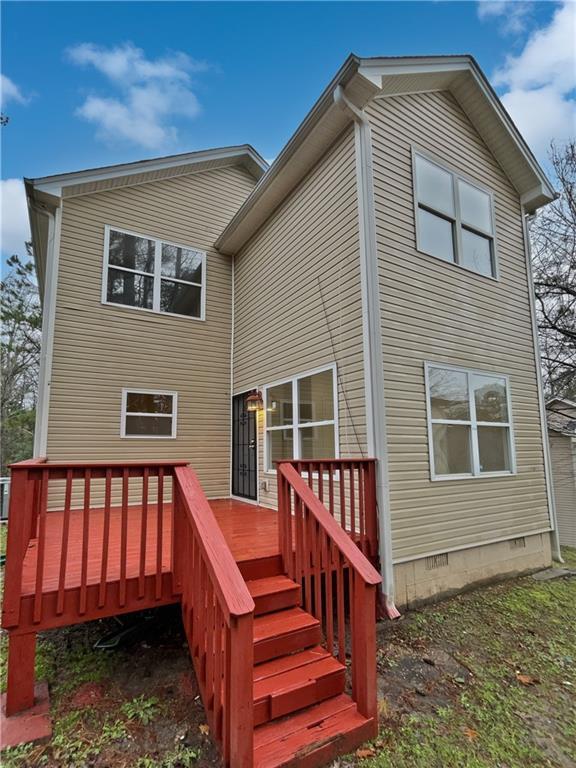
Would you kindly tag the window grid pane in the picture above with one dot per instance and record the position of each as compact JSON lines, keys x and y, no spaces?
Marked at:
{"x":458,"y":231}
{"x":479,"y":445}
{"x":139,"y":271}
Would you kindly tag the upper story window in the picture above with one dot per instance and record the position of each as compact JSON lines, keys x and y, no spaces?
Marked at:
{"x":148,"y":413}
{"x":301,"y":418}
{"x":469,"y":422}
{"x":148,"y":273}
{"x":455,"y":220}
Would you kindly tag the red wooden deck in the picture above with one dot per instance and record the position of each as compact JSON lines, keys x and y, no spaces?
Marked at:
{"x":251,"y":533}
{"x":261,"y":592}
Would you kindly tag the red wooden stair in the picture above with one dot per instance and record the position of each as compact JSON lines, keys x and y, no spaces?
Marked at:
{"x":301,"y":714}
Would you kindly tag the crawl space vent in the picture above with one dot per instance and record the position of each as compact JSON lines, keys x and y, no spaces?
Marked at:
{"x":518,"y":543}
{"x":436,"y":561}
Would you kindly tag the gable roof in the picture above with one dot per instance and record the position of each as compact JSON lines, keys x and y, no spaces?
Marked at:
{"x":362,"y":79}
{"x":205,"y":159}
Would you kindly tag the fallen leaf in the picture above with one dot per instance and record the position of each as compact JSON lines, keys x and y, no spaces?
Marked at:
{"x":526,"y":679}
{"x":471,"y":734}
{"x":204,"y":729}
{"x":365,"y":752}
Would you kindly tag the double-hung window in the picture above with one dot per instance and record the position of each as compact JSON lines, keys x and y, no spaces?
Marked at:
{"x":301,"y":418}
{"x":470,"y":427}
{"x":454,"y":218}
{"x":148,"y":413}
{"x":148,"y":273}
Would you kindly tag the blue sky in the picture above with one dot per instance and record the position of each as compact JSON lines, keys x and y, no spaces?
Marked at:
{"x":88,"y":84}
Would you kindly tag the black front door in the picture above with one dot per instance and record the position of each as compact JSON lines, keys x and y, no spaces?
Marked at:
{"x":244,"y":453}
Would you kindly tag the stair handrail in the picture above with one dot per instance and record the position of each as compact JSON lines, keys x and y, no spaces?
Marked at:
{"x":318,"y":553}
{"x":361,"y":565}
{"x":224,"y":571}
{"x":218,"y":618}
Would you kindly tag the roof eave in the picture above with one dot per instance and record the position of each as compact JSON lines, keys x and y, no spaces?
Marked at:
{"x":283,"y":176}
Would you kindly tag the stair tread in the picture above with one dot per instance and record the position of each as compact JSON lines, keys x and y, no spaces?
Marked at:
{"x":297,"y":677}
{"x":282,"y":623}
{"x":270,"y":585}
{"x":283,"y":741}
{"x":290,"y":661}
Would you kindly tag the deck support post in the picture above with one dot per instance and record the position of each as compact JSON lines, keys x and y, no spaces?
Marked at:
{"x":20,"y":683}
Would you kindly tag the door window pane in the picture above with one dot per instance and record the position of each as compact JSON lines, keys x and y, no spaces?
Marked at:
{"x":131,"y":252}
{"x":129,"y":288}
{"x":474,"y":207}
{"x":434,"y":186}
{"x":316,"y":397}
{"x":180,"y":298}
{"x":449,"y":394}
{"x":183,"y":263}
{"x":490,"y":398}
{"x":451,"y":449}
{"x":436,"y":235}
{"x":476,"y":252}
{"x":149,"y":426}
{"x":279,"y":405}
{"x":317,"y":442}
{"x":146,"y":402}
{"x":280,"y":445}
{"x":494,"y":449}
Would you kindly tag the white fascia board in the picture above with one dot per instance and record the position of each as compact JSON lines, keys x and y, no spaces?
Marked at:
{"x":53,"y":185}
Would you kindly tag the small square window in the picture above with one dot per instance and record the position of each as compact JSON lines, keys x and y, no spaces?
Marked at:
{"x":147,"y":413}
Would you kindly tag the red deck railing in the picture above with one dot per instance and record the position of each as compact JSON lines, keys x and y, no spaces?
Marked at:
{"x":347,"y":488}
{"x":106,"y":546}
{"x":218,"y":615}
{"x":339,"y":582}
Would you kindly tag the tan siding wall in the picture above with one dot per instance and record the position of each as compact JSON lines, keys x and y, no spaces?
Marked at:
{"x":439,"y":312}
{"x":307,"y":251}
{"x":563,"y":456}
{"x":100,"y":349}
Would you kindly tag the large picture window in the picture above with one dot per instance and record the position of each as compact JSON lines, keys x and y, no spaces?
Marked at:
{"x":148,"y":273}
{"x":470,"y":425}
{"x":301,"y":418}
{"x":454,"y":218}
{"x":148,"y":413}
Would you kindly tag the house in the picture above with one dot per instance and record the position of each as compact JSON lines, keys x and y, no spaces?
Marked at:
{"x":264,"y":390}
{"x":562,"y":439}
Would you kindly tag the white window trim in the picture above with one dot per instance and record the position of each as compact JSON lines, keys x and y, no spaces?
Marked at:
{"x":156,"y":275}
{"x":124,"y":413}
{"x":456,"y":219}
{"x":476,"y":474}
{"x":295,"y":426}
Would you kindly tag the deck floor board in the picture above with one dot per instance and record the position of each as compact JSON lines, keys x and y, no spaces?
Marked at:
{"x":251,"y":532}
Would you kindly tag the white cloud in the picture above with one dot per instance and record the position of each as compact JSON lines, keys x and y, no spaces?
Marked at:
{"x":512,"y":15}
{"x":539,"y":83}
{"x":151,"y":93}
{"x":9,"y":91}
{"x":15,"y":229}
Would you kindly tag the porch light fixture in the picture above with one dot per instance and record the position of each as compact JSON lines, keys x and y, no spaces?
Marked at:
{"x":254,"y":401}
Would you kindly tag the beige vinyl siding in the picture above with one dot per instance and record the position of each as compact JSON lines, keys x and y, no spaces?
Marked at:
{"x":297,"y":292}
{"x":563,"y":458}
{"x":101,"y":349}
{"x":439,"y":312}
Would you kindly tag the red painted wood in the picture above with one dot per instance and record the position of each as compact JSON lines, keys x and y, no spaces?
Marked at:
{"x":273,"y":593}
{"x":144,"y":531}
{"x":65,"y":538}
{"x":32,"y":725}
{"x":41,"y":548}
{"x":105,"y":538}
{"x":276,"y":634}
{"x":20,"y":678}
{"x":85,"y":543}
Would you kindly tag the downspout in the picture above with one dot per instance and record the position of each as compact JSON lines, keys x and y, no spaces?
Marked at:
{"x":556,"y":553}
{"x":372,"y":342}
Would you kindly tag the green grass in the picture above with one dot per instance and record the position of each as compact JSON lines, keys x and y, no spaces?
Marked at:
{"x":524,"y":628}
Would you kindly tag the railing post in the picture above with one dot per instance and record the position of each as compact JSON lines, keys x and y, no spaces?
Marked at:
{"x":240,"y":653}
{"x":179,"y":535}
{"x":19,"y":521}
{"x":371,"y":511}
{"x":364,"y":648}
